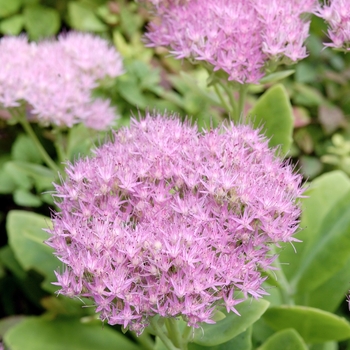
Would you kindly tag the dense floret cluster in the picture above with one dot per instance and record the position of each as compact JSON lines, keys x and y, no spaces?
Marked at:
{"x":55,"y":78}
{"x":239,"y":37}
{"x":168,"y":221}
{"x":336,"y":14}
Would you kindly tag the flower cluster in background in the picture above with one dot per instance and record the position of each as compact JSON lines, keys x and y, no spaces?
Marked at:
{"x":55,"y":78}
{"x":238,"y":37}
{"x":165,"y":220}
{"x":337,"y":15}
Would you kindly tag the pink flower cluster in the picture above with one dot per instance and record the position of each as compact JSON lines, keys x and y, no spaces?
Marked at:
{"x":238,"y":37}
{"x":55,"y":78}
{"x":166,"y":220}
{"x":336,"y":14}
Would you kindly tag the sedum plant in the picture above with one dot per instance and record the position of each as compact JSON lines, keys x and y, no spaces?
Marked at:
{"x":181,"y":237}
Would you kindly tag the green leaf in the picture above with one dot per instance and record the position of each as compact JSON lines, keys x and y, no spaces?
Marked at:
{"x":329,"y":295}
{"x":129,"y":22}
{"x":26,"y":199}
{"x":274,"y":297}
{"x":8,"y":258}
{"x":232,"y":325}
{"x":130,"y":90}
{"x":41,"y":22}
{"x":306,"y":72}
{"x":80,"y":140}
{"x":197,"y":86}
{"x":314,"y":325}
{"x":26,"y":238}
{"x":107,"y":16}
{"x":274,"y":77}
{"x":310,"y":166}
{"x":323,"y":194}
{"x":120,"y":43}
{"x":159,"y":345}
{"x":7,"y":183}
{"x":25,"y":150}
{"x":273,"y":112}
{"x":9,"y":7}
{"x":42,"y":176}
{"x":331,"y":250}
{"x":261,"y":331}
{"x":242,"y":341}
{"x":331,"y":345}
{"x":61,"y":305}
{"x":9,"y":322}
{"x":12,"y":25}
{"x":218,"y":316}
{"x":82,"y":17}
{"x":193,"y":103}
{"x":21,"y":179}
{"x":287,"y":339}
{"x":3,"y":274}
{"x":37,"y":333}
{"x":30,"y":2}
{"x":307,"y":96}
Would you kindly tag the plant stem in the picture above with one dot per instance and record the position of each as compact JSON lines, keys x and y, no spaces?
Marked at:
{"x":174,"y":332}
{"x":163,"y":337}
{"x":59,"y":145}
{"x":229,"y":92}
{"x":144,"y":339}
{"x":283,"y":284}
{"x":224,"y":103}
{"x":241,"y":101}
{"x":186,"y":335}
{"x":46,"y":158}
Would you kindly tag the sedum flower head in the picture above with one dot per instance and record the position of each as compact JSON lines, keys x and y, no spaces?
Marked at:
{"x":168,"y":221}
{"x":238,"y":37}
{"x":336,"y":13}
{"x":56,"y":78}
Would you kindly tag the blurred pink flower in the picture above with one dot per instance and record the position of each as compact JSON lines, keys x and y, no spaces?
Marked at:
{"x":336,"y":13}
{"x":165,"y":220}
{"x":92,"y":55}
{"x":56,"y":78}
{"x":238,"y":37}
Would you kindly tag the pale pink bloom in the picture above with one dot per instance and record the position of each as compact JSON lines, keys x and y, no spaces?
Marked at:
{"x":336,"y":13}
{"x":56,"y":78}
{"x":91,"y":54}
{"x":238,"y":37}
{"x":166,"y":220}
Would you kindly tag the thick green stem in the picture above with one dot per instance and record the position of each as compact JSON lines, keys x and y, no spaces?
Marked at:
{"x":59,"y":145}
{"x":174,"y":334}
{"x":223,"y":101}
{"x":145,"y":340}
{"x":241,"y":101}
{"x":233,"y":103}
{"x":283,"y":284}
{"x":30,"y":132}
{"x":186,"y":335}
{"x":163,"y":337}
